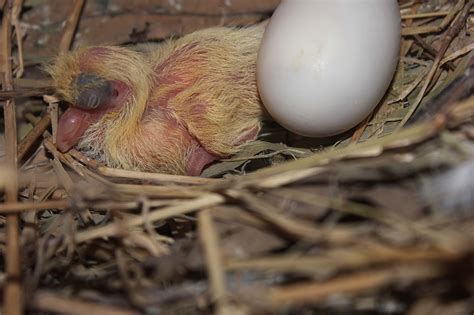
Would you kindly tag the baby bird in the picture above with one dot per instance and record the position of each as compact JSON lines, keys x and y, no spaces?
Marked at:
{"x":172,"y":107}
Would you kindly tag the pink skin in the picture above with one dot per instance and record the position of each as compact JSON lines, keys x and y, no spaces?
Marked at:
{"x":198,"y":159}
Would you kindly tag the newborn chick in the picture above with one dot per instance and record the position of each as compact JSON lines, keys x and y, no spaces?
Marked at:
{"x":173,"y":107}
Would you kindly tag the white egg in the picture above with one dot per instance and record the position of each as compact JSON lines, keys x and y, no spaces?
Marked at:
{"x":324,"y":65}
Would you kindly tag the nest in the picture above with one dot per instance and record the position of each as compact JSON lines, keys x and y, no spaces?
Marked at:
{"x":376,"y":221}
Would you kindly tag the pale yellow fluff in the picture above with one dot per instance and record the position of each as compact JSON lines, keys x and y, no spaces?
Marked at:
{"x":221,"y":108}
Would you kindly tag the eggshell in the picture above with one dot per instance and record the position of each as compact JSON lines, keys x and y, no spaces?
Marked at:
{"x":325,"y":64}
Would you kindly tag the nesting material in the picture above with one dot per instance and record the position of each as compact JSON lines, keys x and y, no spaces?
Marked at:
{"x":371,"y":221}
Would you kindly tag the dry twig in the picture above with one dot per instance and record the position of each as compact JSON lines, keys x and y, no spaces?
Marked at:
{"x":13,"y":298}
